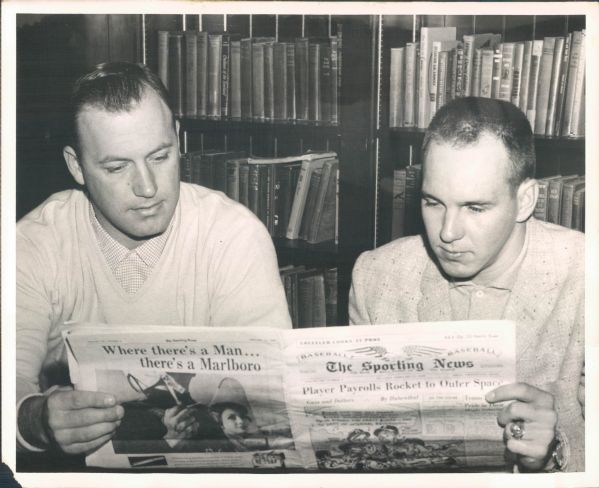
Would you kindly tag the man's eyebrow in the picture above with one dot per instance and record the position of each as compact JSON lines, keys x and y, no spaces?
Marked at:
{"x":111,"y":158}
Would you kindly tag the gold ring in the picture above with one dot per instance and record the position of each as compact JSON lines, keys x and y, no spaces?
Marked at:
{"x":517,"y":430}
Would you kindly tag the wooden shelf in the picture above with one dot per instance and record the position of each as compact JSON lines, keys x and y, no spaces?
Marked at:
{"x":207,"y":124}
{"x":322,"y":254}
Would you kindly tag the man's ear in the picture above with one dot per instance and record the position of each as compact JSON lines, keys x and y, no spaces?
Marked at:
{"x":70,"y":156}
{"x":527,"y":195}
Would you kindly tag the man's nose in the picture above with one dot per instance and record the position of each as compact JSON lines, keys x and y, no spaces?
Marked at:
{"x":144,"y":182}
{"x":451,"y":229}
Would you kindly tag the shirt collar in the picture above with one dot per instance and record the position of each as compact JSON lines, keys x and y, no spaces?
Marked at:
{"x":507,"y":279}
{"x":114,"y":252}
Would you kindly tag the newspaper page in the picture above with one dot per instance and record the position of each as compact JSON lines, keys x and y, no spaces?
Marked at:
{"x":193,"y":397}
{"x":406,"y":397}
{"x":399,"y":397}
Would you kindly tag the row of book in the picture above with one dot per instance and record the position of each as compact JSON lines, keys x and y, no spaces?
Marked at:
{"x":311,"y":295}
{"x":220,"y":75}
{"x":405,"y":215}
{"x":296,"y":197}
{"x":562,"y":201}
{"x":544,"y":78}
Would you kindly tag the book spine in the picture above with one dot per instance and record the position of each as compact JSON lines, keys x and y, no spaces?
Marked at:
{"x":524,"y":79}
{"x":310,"y":204}
{"x":287,"y":183}
{"x":505,"y":78}
{"x":235,"y":93}
{"x":454,"y":74}
{"x":423,"y":67}
{"x":264,"y":196}
{"x":476,"y":72}
{"x":544,"y":85}
{"x":291,"y":81}
{"x":175,"y":75}
{"x":441,"y":79}
{"x":575,"y":54}
{"x":325,"y":83}
{"x":468,"y":59}
{"x":202,"y":75}
{"x":163,"y":55}
{"x":246,"y":78}
{"x":258,"y":81}
{"x":554,"y":198}
{"x":334,"y":82}
{"x":449,"y":81}
{"x":191,"y":73}
{"x":566,"y":204}
{"x":578,"y":209}
{"x":280,"y":80}
{"x":319,"y":318}
{"x":410,"y":90}
{"x":302,"y":70}
{"x":459,"y":89}
{"x":540,"y":211}
{"x":323,"y":186}
{"x":215,"y":44}
{"x":398,"y":212}
{"x":269,"y":104}
{"x":533,"y":81}
{"x":486,"y":73}
{"x":396,"y":96}
{"x":563,"y":82}
{"x":196,"y":168}
{"x":299,"y":200}
{"x":434,"y":79}
{"x":496,"y":79}
{"x":233,"y":179}
{"x":517,"y":73}
{"x":225,"y":79}
{"x":244,"y":183}
{"x":412,"y":218}
{"x":254,"y":188}
{"x":576,"y":126}
{"x":314,"y":82}
{"x":185,"y":167}
{"x":558,"y":53}
{"x":330,"y":293}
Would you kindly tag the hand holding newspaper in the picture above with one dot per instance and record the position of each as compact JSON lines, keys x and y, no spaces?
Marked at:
{"x":400,"y":397}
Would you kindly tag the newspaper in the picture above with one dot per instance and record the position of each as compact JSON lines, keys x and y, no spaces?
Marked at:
{"x":403,"y":397}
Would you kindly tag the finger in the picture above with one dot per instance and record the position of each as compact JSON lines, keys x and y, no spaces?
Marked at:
{"x":534,"y":450}
{"x":87,"y":447}
{"x":84,"y":417}
{"x":522,"y":392}
{"x":184,"y":424}
{"x":75,"y":400}
{"x":66,"y":437}
{"x":527,"y":412}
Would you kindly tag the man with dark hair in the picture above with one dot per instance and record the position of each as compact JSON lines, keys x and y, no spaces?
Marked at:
{"x":136,"y":246}
{"x":485,"y":257}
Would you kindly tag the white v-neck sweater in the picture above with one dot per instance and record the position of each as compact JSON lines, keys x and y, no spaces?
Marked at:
{"x":218,"y":268}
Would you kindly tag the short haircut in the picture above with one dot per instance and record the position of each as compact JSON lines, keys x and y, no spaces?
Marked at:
{"x":114,"y":87}
{"x":463,"y":121}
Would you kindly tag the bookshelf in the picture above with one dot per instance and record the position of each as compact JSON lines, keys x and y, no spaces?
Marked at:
{"x":399,"y":147}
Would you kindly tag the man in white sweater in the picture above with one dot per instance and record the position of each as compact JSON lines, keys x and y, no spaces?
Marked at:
{"x":133,"y":246}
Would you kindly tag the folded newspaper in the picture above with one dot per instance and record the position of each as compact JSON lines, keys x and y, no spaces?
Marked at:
{"x":400,"y":397}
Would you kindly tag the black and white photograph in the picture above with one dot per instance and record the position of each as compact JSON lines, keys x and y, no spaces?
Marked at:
{"x":255,"y":184}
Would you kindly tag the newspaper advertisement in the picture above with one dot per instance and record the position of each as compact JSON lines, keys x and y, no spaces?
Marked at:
{"x":403,"y":397}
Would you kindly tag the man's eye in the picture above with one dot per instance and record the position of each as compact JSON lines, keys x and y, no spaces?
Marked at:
{"x":476,"y":208}
{"x":430,"y":203}
{"x":160,"y":158}
{"x":116,"y":169}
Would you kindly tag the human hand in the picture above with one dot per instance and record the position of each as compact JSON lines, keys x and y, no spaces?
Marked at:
{"x":180,"y":423}
{"x":535,"y":409}
{"x":80,"y":421}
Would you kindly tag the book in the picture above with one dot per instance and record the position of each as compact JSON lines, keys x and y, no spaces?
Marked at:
{"x":476,"y":71}
{"x":314,"y":96}
{"x":176,"y":74}
{"x":163,"y":56}
{"x":232,"y":168}
{"x":517,"y":73}
{"x":486,"y":72}
{"x":566,"y":206}
{"x":507,"y":71}
{"x":471,"y":43}
{"x":289,"y":277}
{"x":577,"y":53}
{"x":533,"y":81}
{"x":398,"y":209}
{"x":254,"y":190}
{"x":302,"y":70}
{"x":335,"y":80}
{"x":269,"y":104}
{"x":459,"y":61}
{"x":554,"y":198}
{"x":291,"y":81}
{"x":246,"y":78}
{"x":526,"y":62}
{"x":541,"y":206}
{"x":309,"y":209}
{"x":323,"y":222}
{"x":185,"y":167}
{"x":258,"y":106}
{"x":442,"y":80}
{"x":285,"y":176}
{"x":558,"y":53}
{"x":413,"y":218}
{"x":427,"y":36}
{"x":330,"y":295}
{"x":202,"y":74}
{"x":280,"y":81}
{"x":433,"y":91}
{"x":496,"y":74}
{"x":225,"y":78}
{"x":325,"y":83}
{"x":301,"y":193}
{"x":563,"y":82}
{"x":235,"y":81}
{"x":396,"y":87}
{"x":578,"y":204}
{"x":319,"y":309}
{"x":411,"y":78}
{"x":244,"y":184}
{"x":191,"y":73}
{"x":215,"y":59}
{"x":576,"y":122}
{"x":544,"y":85}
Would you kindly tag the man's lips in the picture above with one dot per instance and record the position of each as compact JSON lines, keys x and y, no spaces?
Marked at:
{"x":147,"y":208}
{"x":451,"y":255}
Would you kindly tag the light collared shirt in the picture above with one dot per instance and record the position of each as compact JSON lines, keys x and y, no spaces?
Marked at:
{"x":130,"y":267}
{"x":470,"y":301}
